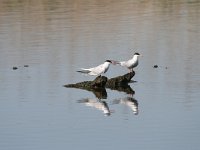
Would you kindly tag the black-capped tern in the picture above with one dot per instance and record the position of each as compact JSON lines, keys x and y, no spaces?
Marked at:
{"x":97,"y":71}
{"x":130,"y":64}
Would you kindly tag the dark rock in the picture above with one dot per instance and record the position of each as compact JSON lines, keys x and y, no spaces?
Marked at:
{"x":26,"y":66}
{"x":14,"y":68}
{"x":98,"y":85}
{"x":155,"y":66}
{"x":98,"y":82}
{"x":120,"y":81}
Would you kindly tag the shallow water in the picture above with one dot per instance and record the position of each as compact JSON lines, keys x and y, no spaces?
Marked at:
{"x":55,"y":38}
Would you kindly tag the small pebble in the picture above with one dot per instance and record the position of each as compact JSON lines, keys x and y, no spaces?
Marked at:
{"x":14,"y":68}
{"x":155,"y":66}
{"x":26,"y":66}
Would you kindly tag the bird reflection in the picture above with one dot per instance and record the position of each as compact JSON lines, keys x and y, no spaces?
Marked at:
{"x":96,"y":103}
{"x":130,"y":102}
{"x":102,"y":105}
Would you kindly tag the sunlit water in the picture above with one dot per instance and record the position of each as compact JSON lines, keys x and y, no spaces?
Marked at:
{"x":56,"y":38}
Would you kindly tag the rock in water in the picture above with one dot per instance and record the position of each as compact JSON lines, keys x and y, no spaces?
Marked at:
{"x":120,"y":80}
{"x":14,"y":68}
{"x":119,"y":83}
{"x":155,"y":66}
{"x":98,"y":82}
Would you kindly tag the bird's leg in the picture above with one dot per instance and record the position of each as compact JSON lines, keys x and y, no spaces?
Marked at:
{"x":131,"y":94}
{"x":131,"y":69}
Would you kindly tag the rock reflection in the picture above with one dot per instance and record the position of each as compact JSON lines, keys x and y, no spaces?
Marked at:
{"x":126,"y":89}
{"x":130,"y":102}
{"x":119,"y":84}
{"x":100,"y":93}
{"x":102,"y":105}
{"x":96,"y":103}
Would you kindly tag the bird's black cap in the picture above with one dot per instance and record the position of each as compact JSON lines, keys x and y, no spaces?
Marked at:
{"x":136,"y":54}
{"x":108,"y":61}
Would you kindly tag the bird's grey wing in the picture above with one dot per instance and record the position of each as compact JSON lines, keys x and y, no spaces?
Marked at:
{"x":106,"y":69}
{"x":123,"y":63}
{"x":97,"y":70}
{"x":135,"y":64}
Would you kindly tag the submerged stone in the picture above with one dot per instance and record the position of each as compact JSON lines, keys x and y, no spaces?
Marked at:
{"x":155,"y":66}
{"x":14,"y":68}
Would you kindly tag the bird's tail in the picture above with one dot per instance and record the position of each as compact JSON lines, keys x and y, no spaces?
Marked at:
{"x":83,"y":71}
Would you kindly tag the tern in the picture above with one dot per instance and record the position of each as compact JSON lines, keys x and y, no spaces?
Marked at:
{"x":130,"y":64}
{"x":98,"y":70}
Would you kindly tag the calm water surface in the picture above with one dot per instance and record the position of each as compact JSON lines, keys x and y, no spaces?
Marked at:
{"x":55,"y":38}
